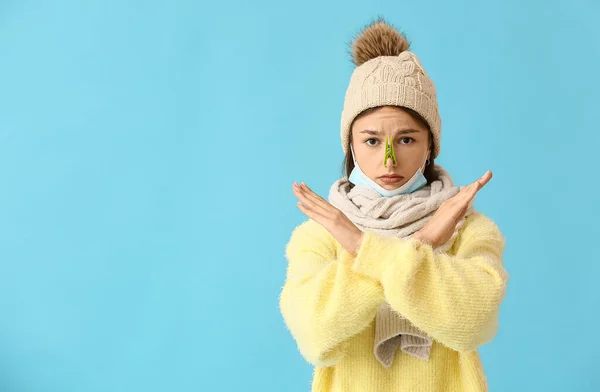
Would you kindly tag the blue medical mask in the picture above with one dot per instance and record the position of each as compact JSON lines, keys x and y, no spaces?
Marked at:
{"x":416,"y":182}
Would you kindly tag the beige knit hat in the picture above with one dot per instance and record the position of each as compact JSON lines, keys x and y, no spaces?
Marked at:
{"x":387,"y":74}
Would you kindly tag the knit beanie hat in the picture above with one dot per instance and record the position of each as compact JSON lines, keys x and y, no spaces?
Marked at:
{"x":388,"y":74}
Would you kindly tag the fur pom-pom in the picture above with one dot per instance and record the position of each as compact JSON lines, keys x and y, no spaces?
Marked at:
{"x":378,"y":38}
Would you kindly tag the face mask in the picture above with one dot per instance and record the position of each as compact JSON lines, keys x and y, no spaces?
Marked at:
{"x":416,"y":182}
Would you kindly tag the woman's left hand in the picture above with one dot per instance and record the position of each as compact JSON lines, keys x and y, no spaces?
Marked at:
{"x":331,"y":218}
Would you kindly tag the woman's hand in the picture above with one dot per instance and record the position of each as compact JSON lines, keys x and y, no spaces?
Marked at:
{"x":443,"y":223}
{"x":332,"y":219}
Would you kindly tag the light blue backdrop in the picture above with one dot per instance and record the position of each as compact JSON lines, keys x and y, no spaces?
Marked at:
{"x":147,"y":152}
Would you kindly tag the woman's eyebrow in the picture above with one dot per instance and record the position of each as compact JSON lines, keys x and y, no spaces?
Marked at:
{"x":398,"y":132}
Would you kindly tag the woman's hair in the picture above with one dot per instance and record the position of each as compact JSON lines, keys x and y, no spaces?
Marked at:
{"x":348,"y":163}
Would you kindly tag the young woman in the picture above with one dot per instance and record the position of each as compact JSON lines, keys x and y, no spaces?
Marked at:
{"x":395,"y":281}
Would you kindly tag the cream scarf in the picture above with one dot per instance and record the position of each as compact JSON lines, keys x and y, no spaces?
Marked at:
{"x":398,"y":216}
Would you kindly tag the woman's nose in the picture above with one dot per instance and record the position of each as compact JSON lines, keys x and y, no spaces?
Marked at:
{"x":389,"y":163}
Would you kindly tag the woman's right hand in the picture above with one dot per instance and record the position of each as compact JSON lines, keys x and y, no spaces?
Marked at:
{"x":442,"y":225}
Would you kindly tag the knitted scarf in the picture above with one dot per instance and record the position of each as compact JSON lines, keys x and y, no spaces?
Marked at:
{"x":397,"y":216}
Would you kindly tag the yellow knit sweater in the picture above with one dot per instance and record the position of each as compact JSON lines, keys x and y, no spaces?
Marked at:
{"x":330,"y":300}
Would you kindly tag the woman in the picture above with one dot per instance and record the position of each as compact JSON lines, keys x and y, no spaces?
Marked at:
{"x":394,"y":283}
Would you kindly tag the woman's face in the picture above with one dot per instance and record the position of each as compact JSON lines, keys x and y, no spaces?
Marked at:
{"x":410,"y":138}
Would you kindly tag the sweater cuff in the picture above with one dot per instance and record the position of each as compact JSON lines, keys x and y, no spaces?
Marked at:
{"x":377,"y":253}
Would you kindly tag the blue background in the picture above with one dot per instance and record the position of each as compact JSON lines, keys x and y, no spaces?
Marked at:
{"x":147,"y":152}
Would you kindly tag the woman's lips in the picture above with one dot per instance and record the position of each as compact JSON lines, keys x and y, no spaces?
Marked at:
{"x":390,"y":179}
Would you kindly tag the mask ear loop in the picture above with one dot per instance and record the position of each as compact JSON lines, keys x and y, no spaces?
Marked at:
{"x":353,"y":155}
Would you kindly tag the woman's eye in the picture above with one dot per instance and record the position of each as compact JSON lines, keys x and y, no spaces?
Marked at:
{"x":406,"y":140}
{"x":371,"y":142}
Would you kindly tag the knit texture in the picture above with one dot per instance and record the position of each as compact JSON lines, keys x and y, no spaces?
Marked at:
{"x":393,"y":332}
{"x":330,"y":299}
{"x":399,"y":216}
{"x":391,"y":81}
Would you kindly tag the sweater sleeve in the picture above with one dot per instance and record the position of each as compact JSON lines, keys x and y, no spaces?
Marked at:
{"x":453,"y":298}
{"x":324,"y":301}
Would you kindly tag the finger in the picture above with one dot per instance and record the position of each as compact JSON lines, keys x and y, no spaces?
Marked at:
{"x":460,"y":201}
{"x":480,"y":183}
{"x":318,"y":201}
{"x":306,"y":211}
{"x":302,"y":196}
{"x":468,"y":193}
{"x":467,"y":196}
{"x":312,"y":194}
{"x":312,"y":214}
{"x":309,"y":202}
{"x":322,"y":199}
{"x":485,"y":178}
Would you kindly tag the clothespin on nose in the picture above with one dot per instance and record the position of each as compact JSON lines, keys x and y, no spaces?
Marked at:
{"x":389,"y":151}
